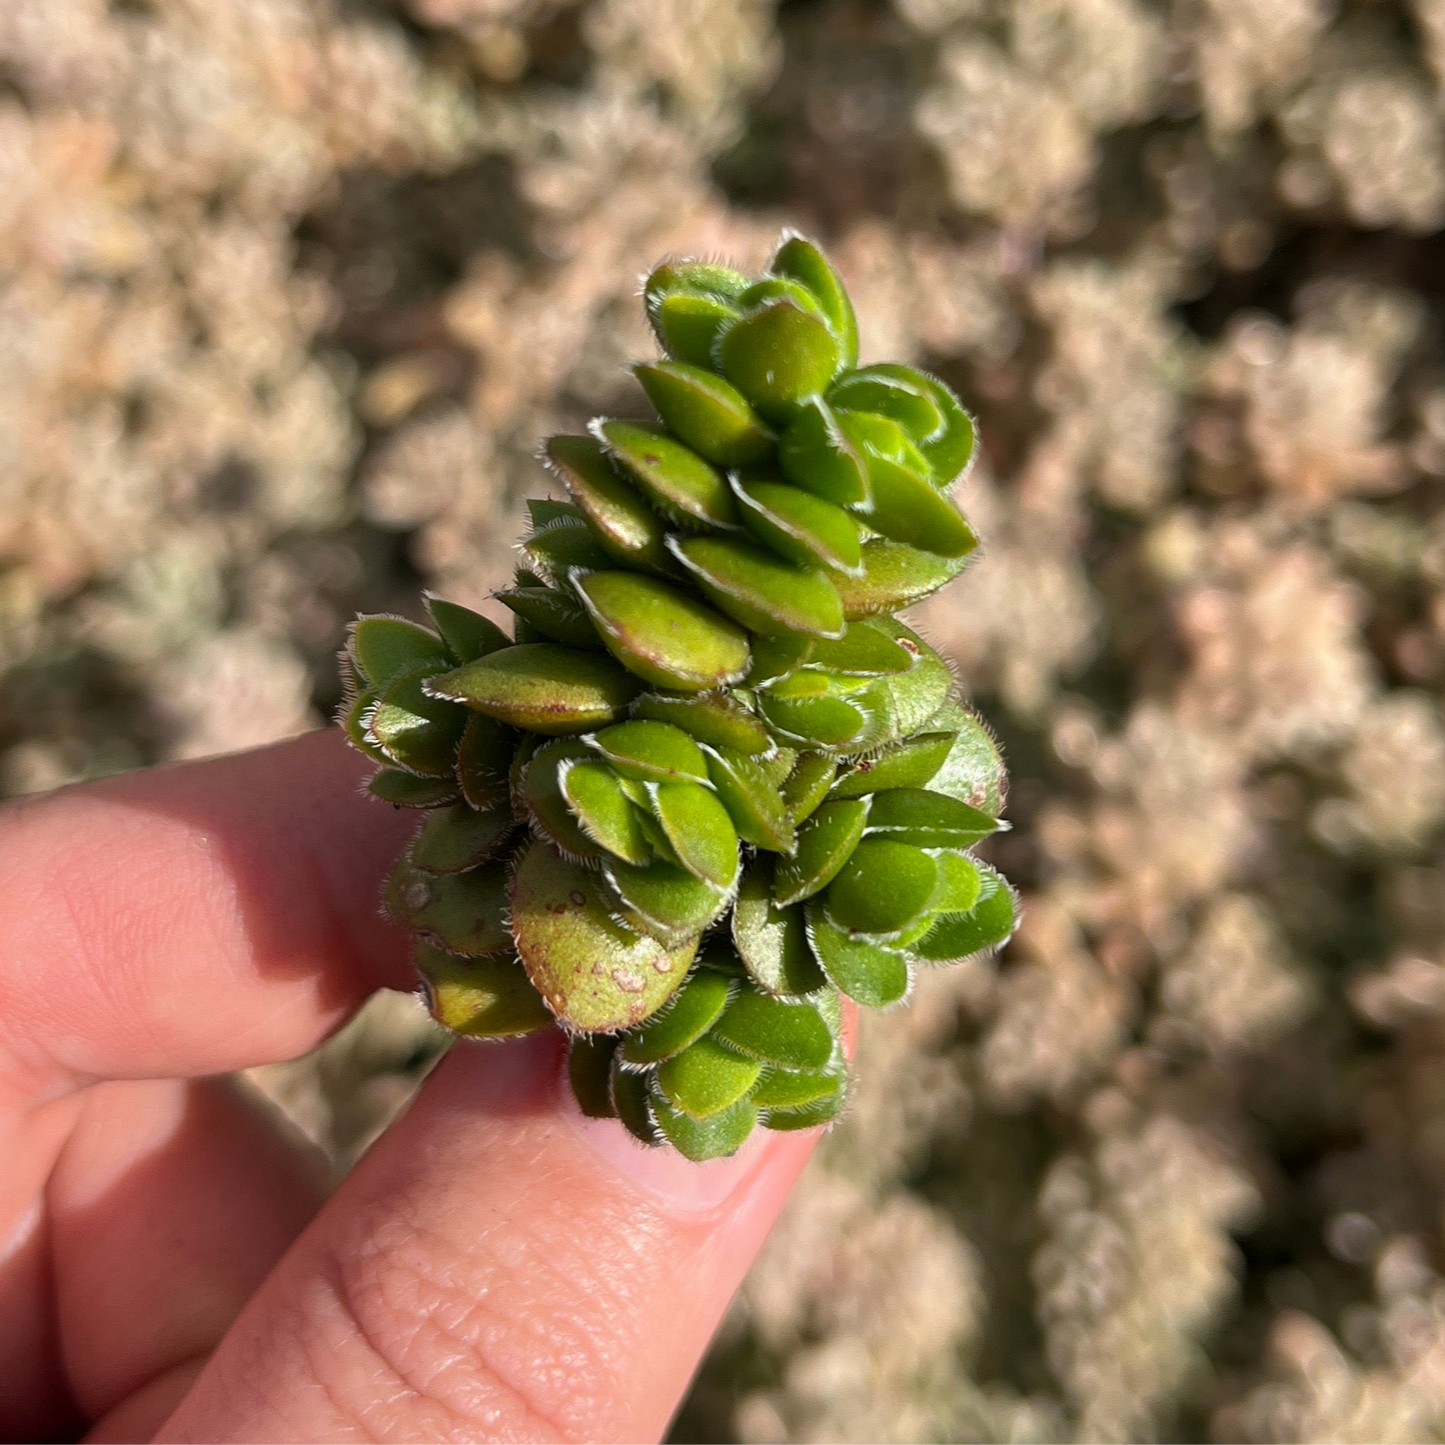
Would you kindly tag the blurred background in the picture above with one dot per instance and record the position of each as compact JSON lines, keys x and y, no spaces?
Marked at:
{"x":289,"y":290}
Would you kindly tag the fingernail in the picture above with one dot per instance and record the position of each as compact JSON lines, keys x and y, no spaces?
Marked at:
{"x":684,"y":1187}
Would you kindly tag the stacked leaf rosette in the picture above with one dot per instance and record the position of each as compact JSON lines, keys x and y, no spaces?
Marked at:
{"x":710,"y":784}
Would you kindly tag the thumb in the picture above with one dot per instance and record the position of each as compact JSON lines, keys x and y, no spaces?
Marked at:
{"x":496,"y":1268}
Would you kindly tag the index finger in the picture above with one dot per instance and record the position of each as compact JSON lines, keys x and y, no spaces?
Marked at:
{"x":196,"y":918}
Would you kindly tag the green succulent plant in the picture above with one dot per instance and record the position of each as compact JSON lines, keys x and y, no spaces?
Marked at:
{"x":710,"y":784}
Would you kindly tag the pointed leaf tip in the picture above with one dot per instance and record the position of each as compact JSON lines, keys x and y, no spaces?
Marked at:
{"x":542,"y":686}
{"x":661,"y":634}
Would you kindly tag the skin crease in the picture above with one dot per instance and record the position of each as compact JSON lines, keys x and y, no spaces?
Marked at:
{"x":495,"y":1268}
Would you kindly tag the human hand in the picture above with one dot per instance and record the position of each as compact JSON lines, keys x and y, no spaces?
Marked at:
{"x":496,"y":1267}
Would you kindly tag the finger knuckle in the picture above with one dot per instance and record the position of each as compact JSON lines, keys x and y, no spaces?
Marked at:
{"x":465,"y":1342}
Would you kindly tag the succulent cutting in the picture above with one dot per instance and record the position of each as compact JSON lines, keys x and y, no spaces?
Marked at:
{"x":710,"y":785}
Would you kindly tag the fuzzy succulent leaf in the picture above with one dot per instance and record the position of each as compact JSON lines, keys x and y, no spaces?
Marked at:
{"x":678,"y":482}
{"x":589,"y":1071}
{"x":385,"y":647}
{"x":973,"y":770}
{"x":895,"y":576}
{"x":818,"y":456}
{"x":594,"y":973}
{"x":895,"y":392}
{"x":787,"y":1090}
{"x":759,"y":589}
{"x":700,"y":831}
{"x":620,"y":520}
{"x":406,"y":790}
{"x":756,"y":807}
{"x":866,"y":972}
{"x":661,"y":634}
{"x":807,"y":784}
{"x":707,"y":1077}
{"x":599,"y":801}
{"x":788,"y":1034}
{"x":632,"y":1102}
{"x":778,"y":355}
{"x":774,"y":658}
{"x":910,"y":764}
{"x":771,"y":938}
{"x":798,"y":526}
{"x":556,"y":614}
{"x":417,"y":731}
{"x":883,"y":887}
{"x":825,"y":843}
{"x":651,"y":752}
{"x":463,"y":913}
{"x":799,"y":259}
{"x":457,"y":839}
{"x":709,"y":414}
{"x":467,"y":634}
{"x":990,"y":923}
{"x":807,"y":1116}
{"x":686,"y":1017}
{"x":541,"y":687}
{"x":354,"y":717}
{"x":959,"y":886}
{"x":484,"y":759}
{"x":544,"y":804}
{"x":713,"y":718}
{"x":555,"y":550}
{"x":927,"y":819}
{"x":483,"y":998}
{"x":665,"y":900}
{"x":714,"y":1137}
